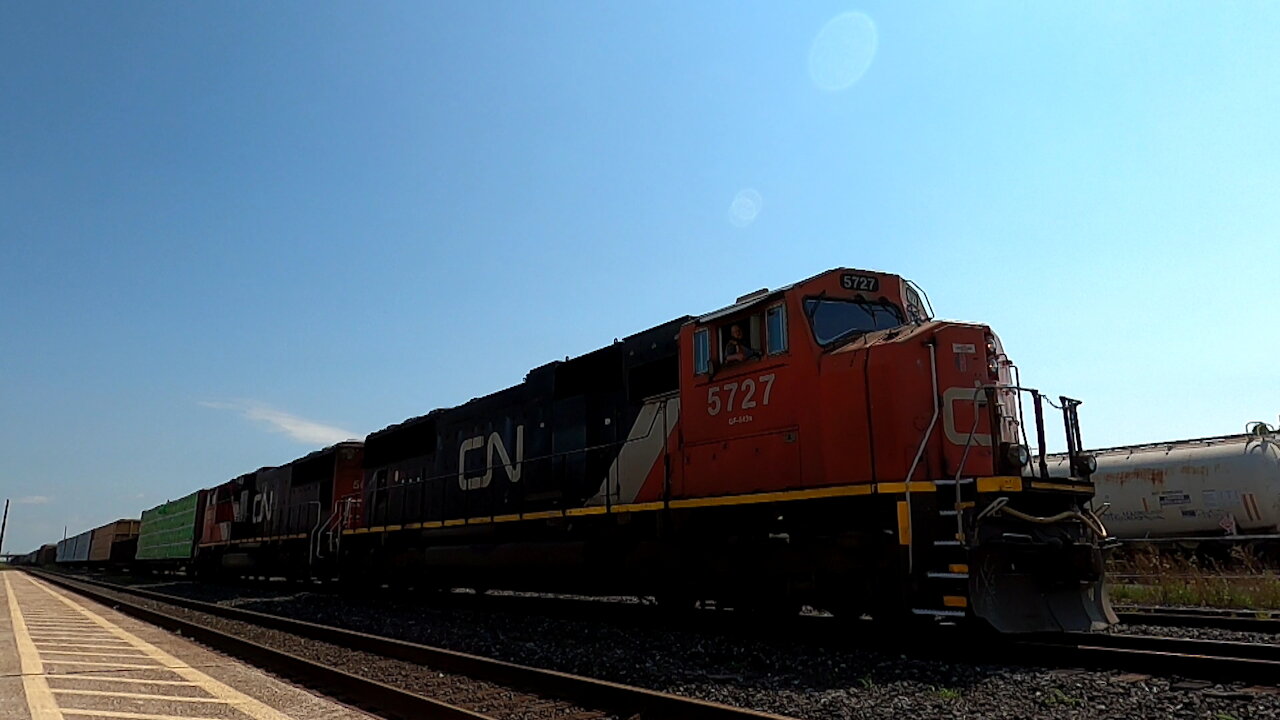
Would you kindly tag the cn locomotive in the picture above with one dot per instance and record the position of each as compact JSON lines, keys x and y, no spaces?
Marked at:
{"x":827,"y":443}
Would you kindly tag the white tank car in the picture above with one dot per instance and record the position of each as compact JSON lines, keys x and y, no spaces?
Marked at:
{"x":1226,"y":485}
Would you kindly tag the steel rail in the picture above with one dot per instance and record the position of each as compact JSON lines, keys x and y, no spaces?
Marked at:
{"x":1200,"y":618}
{"x":1226,"y":661}
{"x":624,"y":700}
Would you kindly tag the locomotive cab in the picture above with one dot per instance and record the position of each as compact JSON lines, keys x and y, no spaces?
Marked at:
{"x":842,"y":388}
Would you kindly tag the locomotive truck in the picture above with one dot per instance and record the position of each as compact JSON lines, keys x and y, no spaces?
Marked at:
{"x":827,"y":443}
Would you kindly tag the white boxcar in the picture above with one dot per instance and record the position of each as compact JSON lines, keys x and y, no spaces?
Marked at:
{"x":1211,"y":486}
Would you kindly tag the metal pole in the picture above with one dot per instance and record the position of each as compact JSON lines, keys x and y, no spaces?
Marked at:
{"x":4,"y":524}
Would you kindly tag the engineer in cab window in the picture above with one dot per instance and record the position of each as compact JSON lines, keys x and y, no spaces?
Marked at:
{"x":737,"y":348}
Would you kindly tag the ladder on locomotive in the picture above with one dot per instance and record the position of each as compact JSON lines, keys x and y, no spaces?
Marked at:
{"x":946,"y":590}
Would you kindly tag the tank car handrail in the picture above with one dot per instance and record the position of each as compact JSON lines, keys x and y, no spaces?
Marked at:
{"x":1177,"y":444}
{"x":1246,"y":437}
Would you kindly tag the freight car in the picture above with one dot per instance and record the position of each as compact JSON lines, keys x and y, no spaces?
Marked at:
{"x":115,"y":543}
{"x":43,"y":556}
{"x":825,"y":443}
{"x":112,"y":544}
{"x":74,"y":551}
{"x":167,"y":534}
{"x":1205,"y":487}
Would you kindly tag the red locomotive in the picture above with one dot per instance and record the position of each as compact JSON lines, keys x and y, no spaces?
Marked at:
{"x":826,"y":443}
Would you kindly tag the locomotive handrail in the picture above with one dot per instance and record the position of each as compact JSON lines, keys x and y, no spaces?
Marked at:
{"x":933,"y":371}
{"x":964,"y":457}
{"x":1017,"y":386}
{"x":313,"y":548}
{"x":1070,"y":420}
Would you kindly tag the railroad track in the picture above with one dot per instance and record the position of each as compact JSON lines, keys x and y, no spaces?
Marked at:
{"x":458,"y":686}
{"x":1217,"y":660}
{"x":1220,"y":661}
{"x":641,"y":614}
{"x":1200,"y":618}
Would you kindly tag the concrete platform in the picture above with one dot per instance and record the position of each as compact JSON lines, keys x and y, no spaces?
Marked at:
{"x":64,"y":657}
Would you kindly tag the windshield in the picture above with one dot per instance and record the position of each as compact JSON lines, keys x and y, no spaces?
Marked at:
{"x":834,"y":320}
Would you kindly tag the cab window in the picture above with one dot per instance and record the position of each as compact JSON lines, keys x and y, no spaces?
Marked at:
{"x":834,"y":320}
{"x":915,"y":308}
{"x":701,"y":352}
{"x":775,"y":320}
{"x":740,"y":340}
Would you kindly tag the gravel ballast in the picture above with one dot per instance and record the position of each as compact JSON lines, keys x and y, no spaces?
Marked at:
{"x":834,"y":680}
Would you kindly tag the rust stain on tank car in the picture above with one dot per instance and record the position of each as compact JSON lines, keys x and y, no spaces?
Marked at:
{"x":1154,"y":476}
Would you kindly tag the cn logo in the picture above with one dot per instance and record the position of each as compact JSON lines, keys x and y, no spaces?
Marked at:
{"x":264,"y":505}
{"x":492,"y":447}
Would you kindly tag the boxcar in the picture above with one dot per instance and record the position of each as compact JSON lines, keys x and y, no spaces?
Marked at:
{"x":167,"y":533}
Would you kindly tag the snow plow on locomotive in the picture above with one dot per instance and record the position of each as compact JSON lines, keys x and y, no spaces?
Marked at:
{"x":827,"y":443}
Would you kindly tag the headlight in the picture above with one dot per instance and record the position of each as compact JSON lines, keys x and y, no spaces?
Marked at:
{"x":1086,"y":465}
{"x":1017,"y":455}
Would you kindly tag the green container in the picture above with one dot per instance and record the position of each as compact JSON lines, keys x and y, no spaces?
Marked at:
{"x":169,"y":530}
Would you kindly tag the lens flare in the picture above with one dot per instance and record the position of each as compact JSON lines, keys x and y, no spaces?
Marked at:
{"x":745,"y":207}
{"x":842,"y":51}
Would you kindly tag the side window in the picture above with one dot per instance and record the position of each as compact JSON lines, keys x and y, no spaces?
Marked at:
{"x":775,"y":319}
{"x":701,"y":351}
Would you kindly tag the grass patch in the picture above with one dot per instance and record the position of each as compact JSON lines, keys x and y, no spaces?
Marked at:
{"x":1057,"y":697}
{"x":1237,"y":580}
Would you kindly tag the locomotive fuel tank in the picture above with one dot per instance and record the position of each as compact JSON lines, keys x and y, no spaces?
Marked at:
{"x":1189,"y":488}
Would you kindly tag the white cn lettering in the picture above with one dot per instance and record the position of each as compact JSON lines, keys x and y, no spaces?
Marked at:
{"x":494,"y":447}
{"x":263,"y":505}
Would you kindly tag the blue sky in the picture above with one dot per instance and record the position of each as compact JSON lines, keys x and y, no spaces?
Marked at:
{"x":233,"y":231}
